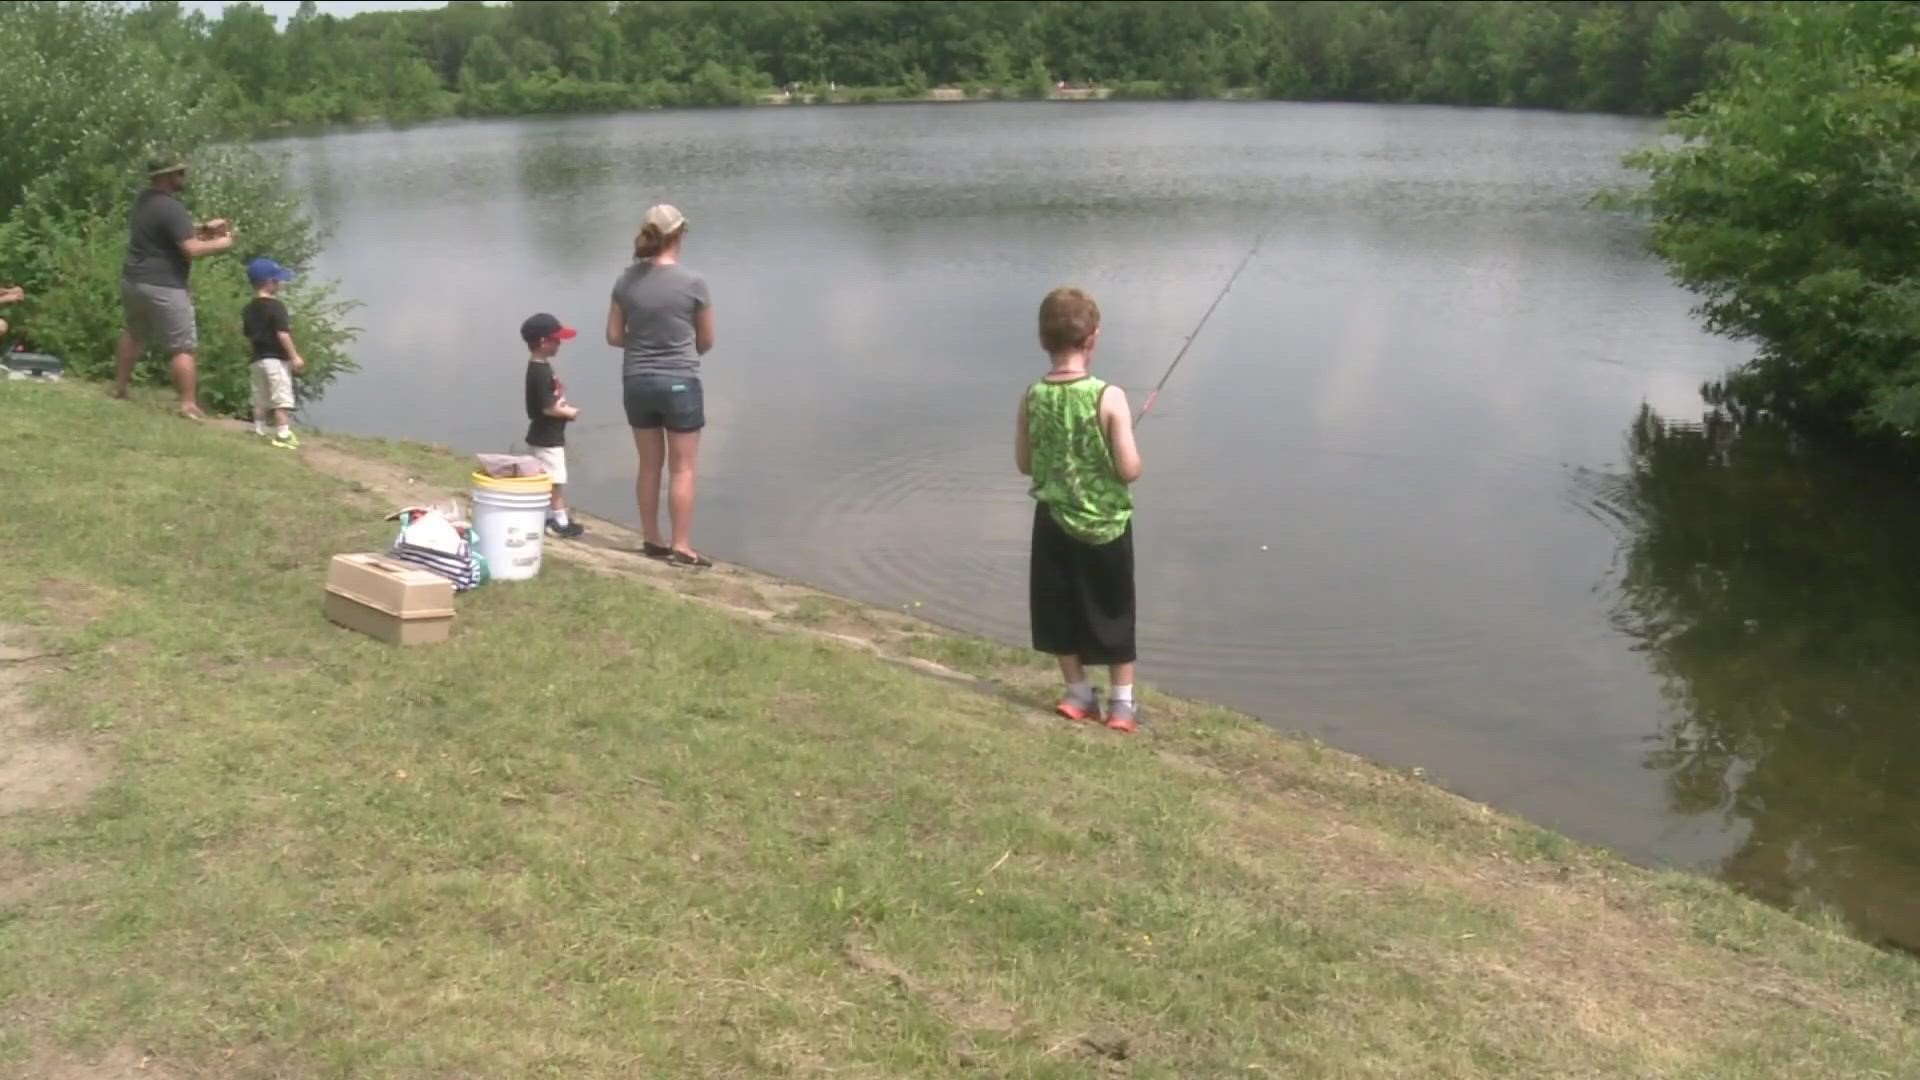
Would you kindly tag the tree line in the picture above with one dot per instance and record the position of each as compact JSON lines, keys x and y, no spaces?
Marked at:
{"x":533,"y":56}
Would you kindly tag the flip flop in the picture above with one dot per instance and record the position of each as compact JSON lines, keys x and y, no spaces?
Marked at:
{"x":191,"y":412}
{"x":688,"y":558}
{"x":655,"y":551}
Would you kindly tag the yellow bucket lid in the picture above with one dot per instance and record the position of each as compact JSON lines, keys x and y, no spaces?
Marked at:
{"x":522,"y":485}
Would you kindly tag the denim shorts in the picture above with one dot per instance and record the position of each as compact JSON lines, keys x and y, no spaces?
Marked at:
{"x":673,"y":402}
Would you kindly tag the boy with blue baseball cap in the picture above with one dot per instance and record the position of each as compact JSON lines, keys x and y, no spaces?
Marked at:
{"x":269,"y":331}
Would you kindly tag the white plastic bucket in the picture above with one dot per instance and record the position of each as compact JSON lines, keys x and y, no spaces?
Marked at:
{"x":510,"y":521}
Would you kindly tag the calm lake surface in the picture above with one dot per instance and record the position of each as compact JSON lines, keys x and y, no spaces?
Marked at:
{"x":1432,"y":486}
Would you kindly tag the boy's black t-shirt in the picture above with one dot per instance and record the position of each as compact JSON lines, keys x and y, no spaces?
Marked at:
{"x":262,"y":321}
{"x":543,"y":389}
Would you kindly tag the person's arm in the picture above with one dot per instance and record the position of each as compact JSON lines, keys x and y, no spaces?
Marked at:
{"x":1117,"y":423}
{"x":702,"y":316}
{"x":197,"y":241}
{"x":1022,"y":447}
{"x":12,"y":295}
{"x":283,"y":329}
{"x":616,"y":326}
{"x":555,"y":408}
{"x":294,"y":359}
{"x":194,"y":247}
{"x":204,"y":245}
{"x":703,"y":331}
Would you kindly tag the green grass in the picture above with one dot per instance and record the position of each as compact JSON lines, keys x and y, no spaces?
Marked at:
{"x":824,"y":612}
{"x":608,"y":832}
{"x":978,"y":656}
{"x":431,"y":464}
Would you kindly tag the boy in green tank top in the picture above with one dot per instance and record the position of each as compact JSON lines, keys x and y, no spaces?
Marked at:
{"x":1075,"y":439}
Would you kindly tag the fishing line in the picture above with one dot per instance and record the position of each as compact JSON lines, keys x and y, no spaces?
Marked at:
{"x":1154,"y":394}
{"x":1182,"y":354}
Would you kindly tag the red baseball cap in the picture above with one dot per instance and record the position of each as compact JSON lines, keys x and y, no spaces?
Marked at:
{"x":543,"y":326}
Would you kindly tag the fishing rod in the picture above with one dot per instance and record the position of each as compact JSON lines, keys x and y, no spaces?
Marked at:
{"x":1154,"y":394}
{"x":1188,"y":344}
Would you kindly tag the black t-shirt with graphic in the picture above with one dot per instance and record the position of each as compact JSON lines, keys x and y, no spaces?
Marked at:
{"x":261,"y":321}
{"x":543,"y":390}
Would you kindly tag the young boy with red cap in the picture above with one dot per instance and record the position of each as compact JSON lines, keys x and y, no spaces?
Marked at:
{"x":548,"y":414}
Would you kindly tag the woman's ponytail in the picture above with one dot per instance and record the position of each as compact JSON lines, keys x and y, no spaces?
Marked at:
{"x":648,"y":242}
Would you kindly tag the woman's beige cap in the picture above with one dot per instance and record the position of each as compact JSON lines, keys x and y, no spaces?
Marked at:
{"x":665,"y":217}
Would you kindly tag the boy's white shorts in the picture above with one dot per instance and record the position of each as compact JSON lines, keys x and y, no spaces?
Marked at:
{"x":554,"y":458}
{"x":272,"y":384}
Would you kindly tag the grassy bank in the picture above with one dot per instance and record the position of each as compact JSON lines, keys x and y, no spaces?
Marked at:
{"x":628,"y":824}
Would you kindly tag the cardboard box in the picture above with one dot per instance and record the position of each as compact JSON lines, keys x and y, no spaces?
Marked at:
{"x":389,"y":600}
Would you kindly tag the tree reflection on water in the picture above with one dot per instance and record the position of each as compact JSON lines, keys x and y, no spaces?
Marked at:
{"x":1775,"y":586}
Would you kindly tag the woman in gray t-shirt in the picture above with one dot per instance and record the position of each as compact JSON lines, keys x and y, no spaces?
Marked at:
{"x":662,"y":321}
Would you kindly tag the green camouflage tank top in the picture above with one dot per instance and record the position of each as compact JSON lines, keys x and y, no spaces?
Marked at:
{"x":1072,"y":464}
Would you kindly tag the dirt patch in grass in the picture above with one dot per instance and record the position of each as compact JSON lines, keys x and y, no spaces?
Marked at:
{"x":72,"y":603}
{"x":386,"y":483}
{"x":21,"y":882}
{"x":724,"y":589}
{"x":37,"y":771}
{"x":829,"y":615}
{"x":973,"y":1014}
{"x":119,"y":1064}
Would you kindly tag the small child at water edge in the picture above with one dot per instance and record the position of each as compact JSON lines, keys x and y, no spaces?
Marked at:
{"x":269,"y":331}
{"x":548,"y":414}
{"x":1075,"y":439}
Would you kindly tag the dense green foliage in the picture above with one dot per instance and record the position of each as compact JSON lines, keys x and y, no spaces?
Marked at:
{"x":88,"y":99}
{"x":575,"y":55}
{"x":1793,"y":208}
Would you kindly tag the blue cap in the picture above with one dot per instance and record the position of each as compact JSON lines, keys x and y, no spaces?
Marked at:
{"x":263,"y":270}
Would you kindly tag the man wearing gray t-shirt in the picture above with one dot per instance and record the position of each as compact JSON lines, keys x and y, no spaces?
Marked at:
{"x":162,"y":243}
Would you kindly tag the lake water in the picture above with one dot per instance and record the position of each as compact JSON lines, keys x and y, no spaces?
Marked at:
{"x":1400,"y":495}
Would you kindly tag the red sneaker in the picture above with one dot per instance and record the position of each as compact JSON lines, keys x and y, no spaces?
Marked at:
{"x":1120,"y":717}
{"x":1074,"y":709}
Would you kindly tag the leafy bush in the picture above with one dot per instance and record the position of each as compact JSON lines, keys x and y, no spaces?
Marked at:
{"x":91,"y":103}
{"x":715,"y":84}
{"x":1140,"y":90}
{"x":72,"y":273}
{"x":1790,"y":207}
{"x":1038,"y":83}
{"x":80,"y":104}
{"x":866,"y":95}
